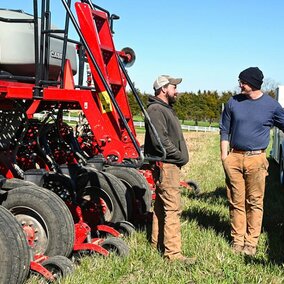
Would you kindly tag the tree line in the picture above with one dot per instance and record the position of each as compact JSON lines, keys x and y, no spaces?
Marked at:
{"x":201,"y":106}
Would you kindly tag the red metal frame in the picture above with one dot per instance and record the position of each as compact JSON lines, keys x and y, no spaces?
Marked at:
{"x":35,"y":265}
{"x":111,"y":136}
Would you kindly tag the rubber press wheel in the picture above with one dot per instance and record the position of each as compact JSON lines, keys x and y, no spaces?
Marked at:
{"x":44,"y":217}
{"x":194,"y":187}
{"x":116,"y":246}
{"x":137,"y":185}
{"x":60,"y":266}
{"x":105,"y":190}
{"x":14,"y":250}
{"x":125,"y":228}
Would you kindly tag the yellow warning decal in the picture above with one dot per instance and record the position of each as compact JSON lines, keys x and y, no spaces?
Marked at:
{"x":105,"y":102}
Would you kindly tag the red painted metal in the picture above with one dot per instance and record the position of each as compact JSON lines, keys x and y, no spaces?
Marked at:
{"x":95,"y":27}
{"x":83,"y":239}
{"x":109,"y":230}
{"x":147,"y":173}
{"x":110,"y":135}
{"x":37,"y":267}
{"x":82,"y":231}
{"x":30,"y":234}
{"x":185,"y":185}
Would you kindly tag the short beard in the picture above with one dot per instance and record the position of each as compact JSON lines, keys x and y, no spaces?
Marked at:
{"x":171,"y":100}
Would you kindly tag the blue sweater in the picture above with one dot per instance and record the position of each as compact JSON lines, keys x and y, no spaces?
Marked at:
{"x":246,"y":123}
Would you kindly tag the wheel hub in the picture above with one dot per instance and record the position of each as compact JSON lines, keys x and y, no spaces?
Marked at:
{"x":36,"y":235}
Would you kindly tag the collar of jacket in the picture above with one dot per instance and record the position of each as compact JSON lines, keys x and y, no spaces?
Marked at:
{"x":155,"y":100}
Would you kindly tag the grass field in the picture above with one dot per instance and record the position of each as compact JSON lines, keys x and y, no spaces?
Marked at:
{"x":205,"y":234}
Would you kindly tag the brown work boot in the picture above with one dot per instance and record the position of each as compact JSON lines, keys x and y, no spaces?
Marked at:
{"x":184,"y":259}
{"x":237,"y":248}
{"x":249,"y":250}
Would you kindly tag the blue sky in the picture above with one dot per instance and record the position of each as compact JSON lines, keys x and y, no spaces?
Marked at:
{"x":206,"y":42}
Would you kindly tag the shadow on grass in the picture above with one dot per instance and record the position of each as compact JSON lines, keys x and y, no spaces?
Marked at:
{"x":213,"y":197}
{"x":273,"y":216}
{"x":207,"y":218}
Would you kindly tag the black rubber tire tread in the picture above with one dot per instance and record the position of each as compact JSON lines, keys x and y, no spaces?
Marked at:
{"x":133,"y":178}
{"x":53,"y":210}
{"x":116,"y":245}
{"x":100,"y":182}
{"x":15,"y":182}
{"x":125,"y":228}
{"x":194,"y":186}
{"x":120,"y":194}
{"x":14,"y":250}
{"x":60,"y":266}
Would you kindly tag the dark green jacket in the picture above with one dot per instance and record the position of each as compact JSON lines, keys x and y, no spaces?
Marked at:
{"x":168,"y":127}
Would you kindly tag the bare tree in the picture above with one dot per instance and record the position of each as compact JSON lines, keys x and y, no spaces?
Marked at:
{"x":269,"y":85}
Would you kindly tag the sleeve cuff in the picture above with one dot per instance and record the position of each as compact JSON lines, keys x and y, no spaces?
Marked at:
{"x":224,"y":137}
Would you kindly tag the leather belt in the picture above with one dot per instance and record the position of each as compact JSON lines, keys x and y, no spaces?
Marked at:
{"x":248,"y":153}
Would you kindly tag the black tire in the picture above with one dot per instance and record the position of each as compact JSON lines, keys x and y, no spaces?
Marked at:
{"x":14,"y":250}
{"x":125,"y":228}
{"x":60,"y":266}
{"x":138,"y":185}
{"x":96,"y":187}
{"x":46,"y":214}
{"x":194,"y":187}
{"x":15,"y":182}
{"x":116,"y":246}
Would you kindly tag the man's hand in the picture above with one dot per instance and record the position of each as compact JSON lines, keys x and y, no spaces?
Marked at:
{"x":224,"y":146}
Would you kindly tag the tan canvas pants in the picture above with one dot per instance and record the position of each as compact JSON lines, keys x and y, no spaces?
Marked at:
{"x":166,"y":232}
{"x":245,"y":179}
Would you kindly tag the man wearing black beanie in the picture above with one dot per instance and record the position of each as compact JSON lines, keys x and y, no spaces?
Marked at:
{"x":245,"y":131}
{"x":253,"y":76}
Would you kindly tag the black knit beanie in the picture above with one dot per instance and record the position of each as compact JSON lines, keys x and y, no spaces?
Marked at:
{"x":253,"y":76}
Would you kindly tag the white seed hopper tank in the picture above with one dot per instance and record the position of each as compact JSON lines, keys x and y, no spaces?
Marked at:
{"x":17,"y":54}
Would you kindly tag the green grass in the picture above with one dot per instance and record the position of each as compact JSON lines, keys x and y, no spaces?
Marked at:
{"x":205,"y":234}
{"x":140,"y":129}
